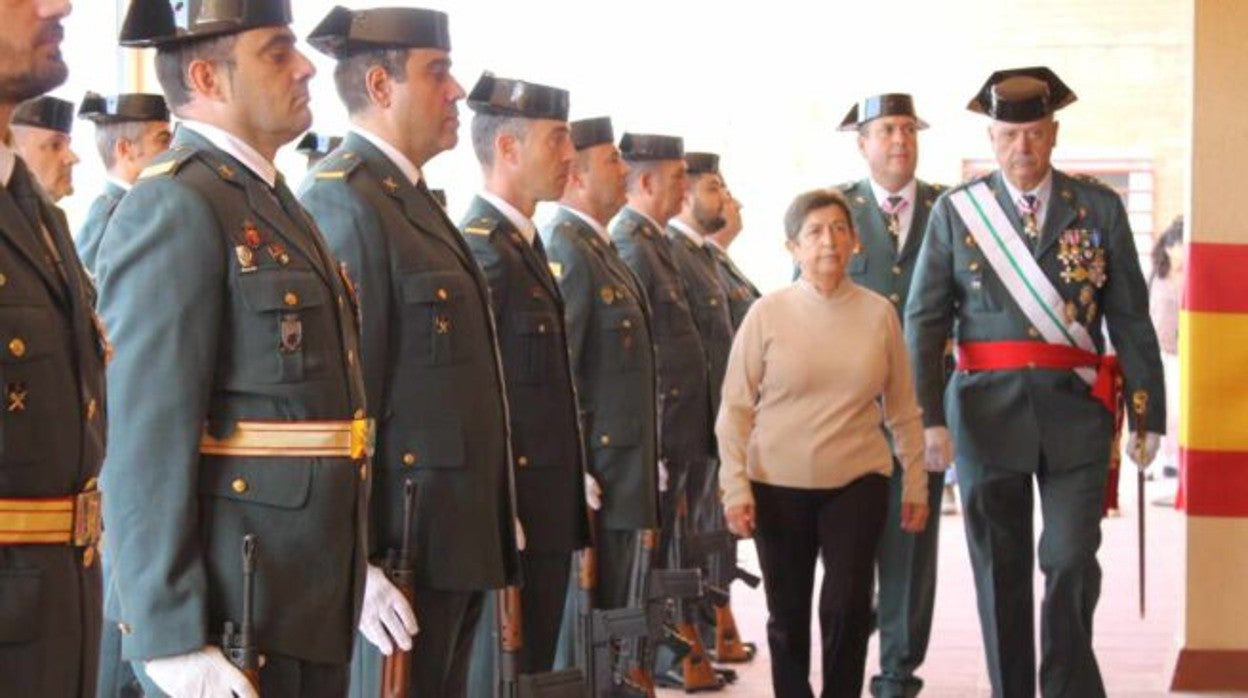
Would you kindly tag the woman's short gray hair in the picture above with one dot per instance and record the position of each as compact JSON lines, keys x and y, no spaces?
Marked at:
{"x":812,"y":200}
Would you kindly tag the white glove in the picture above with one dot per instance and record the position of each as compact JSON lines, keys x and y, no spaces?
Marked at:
{"x":521,"y":542}
{"x":204,"y":673}
{"x":1143,"y":451}
{"x":386,"y":618}
{"x":937,"y":449}
{"x":662,"y":475}
{"x":593,"y":492}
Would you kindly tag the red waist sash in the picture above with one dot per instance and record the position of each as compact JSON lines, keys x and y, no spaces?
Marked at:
{"x":1000,"y":356}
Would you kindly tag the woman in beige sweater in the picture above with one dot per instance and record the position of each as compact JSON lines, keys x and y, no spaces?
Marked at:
{"x":815,"y":371}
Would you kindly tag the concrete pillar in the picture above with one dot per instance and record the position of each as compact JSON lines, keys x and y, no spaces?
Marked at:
{"x":1213,"y":650}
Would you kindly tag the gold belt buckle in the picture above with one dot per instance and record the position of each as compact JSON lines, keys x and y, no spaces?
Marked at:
{"x":363,"y":434}
{"x":87,"y":518}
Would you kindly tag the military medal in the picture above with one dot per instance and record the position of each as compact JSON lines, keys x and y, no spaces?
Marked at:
{"x":607,"y":294}
{"x":251,"y":235}
{"x":291,"y":333}
{"x":246,"y":258}
{"x":17,"y":397}
{"x":278,"y":253}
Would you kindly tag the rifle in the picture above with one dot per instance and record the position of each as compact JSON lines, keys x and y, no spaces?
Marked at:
{"x":718,"y":549}
{"x":695,"y":667}
{"x":599,"y":633}
{"x":511,"y":683}
{"x":238,"y":642}
{"x":1139,"y":404}
{"x":396,"y":669}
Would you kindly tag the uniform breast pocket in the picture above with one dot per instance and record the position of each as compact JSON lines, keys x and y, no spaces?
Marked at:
{"x":537,"y":337}
{"x":980,"y":292}
{"x":621,"y":335}
{"x":38,"y":386}
{"x":435,"y":301}
{"x":292,"y":306}
{"x":671,"y":313}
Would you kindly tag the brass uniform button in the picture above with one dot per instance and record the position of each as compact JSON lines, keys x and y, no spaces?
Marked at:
{"x":239,"y":485}
{"x":627,"y":324}
{"x":1033,"y":332}
{"x":605,"y":440}
{"x":409,"y":459}
{"x":541,"y":329}
{"x":17,"y":347}
{"x":291,"y":298}
{"x":973,"y":266}
{"x":442,"y":294}
{"x":522,"y":461}
{"x":896,"y":270}
{"x":895,"y":298}
{"x":714,"y":302}
{"x":674,"y":392}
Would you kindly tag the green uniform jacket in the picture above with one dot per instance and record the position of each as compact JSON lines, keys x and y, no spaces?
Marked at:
{"x":1007,"y":419}
{"x":92,"y":231}
{"x":741,"y":291}
{"x":228,"y":307}
{"x":711,"y":313}
{"x":431,"y":370}
{"x":545,"y":433}
{"x":685,"y":420}
{"x":52,"y":372}
{"x":878,"y":264}
{"x":613,"y":363}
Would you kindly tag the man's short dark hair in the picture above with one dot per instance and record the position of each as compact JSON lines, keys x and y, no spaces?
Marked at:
{"x":173,"y":62}
{"x":107,"y":136}
{"x":487,"y":127}
{"x":350,"y":72}
{"x":636,"y":169}
{"x":810,"y":201}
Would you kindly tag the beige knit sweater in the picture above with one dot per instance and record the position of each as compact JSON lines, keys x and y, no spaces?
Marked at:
{"x":810,"y":381}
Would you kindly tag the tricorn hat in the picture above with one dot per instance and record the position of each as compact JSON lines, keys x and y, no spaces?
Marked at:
{"x":636,"y":147}
{"x":887,"y":104}
{"x":116,"y":109}
{"x":587,"y":133}
{"x":497,"y":96}
{"x":317,"y":144}
{"x":168,"y":22}
{"x":1020,"y":95}
{"x":343,"y":32}
{"x":52,"y":113}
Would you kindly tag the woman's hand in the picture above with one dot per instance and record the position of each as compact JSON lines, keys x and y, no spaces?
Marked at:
{"x":740,"y":520}
{"x":913,"y":517}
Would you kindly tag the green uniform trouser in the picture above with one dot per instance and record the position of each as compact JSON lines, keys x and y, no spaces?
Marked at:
{"x":997,"y":510}
{"x":906,"y":568}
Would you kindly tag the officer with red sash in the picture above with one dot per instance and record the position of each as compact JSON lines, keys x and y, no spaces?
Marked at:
{"x":1026,"y":267}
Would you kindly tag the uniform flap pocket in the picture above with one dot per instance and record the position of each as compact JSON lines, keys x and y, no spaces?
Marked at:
{"x":432,"y":287}
{"x":26,"y":333}
{"x":535,"y":323}
{"x":20,"y":606}
{"x":283,"y":289}
{"x":437,"y":444}
{"x":616,"y":432}
{"x":621,"y":320}
{"x":277,"y":482}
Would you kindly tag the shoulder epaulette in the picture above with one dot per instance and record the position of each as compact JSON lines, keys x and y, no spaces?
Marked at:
{"x":627,"y":225}
{"x":337,"y":165}
{"x":847,"y":187}
{"x":168,"y":163}
{"x":1089,"y":179}
{"x":556,"y":269}
{"x":481,"y":225}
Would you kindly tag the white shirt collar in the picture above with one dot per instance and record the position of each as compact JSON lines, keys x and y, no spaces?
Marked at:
{"x":688,"y":232}
{"x":907,"y":192}
{"x":521,"y":221}
{"x":8,"y":160}
{"x":1043,"y":192}
{"x":401,"y":161}
{"x":589,"y":220}
{"x":123,"y":184}
{"x":236,"y":148}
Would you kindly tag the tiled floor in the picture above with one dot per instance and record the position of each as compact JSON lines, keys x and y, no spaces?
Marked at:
{"x":1135,"y":654}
